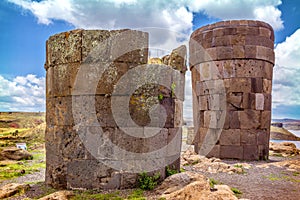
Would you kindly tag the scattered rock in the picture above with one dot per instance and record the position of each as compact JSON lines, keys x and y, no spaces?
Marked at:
{"x":284,"y":148}
{"x":293,"y":165}
{"x":12,"y":189}
{"x":191,"y":185}
{"x":211,"y":165}
{"x":13,"y":153}
{"x":59,"y":195}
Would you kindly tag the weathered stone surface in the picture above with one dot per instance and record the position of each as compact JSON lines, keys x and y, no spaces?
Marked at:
{"x":90,"y":174}
{"x":64,"y":48}
{"x":104,"y":99}
{"x":13,"y":153}
{"x":230,"y":151}
{"x":11,"y":189}
{"x":178,"y":59}
{"x":232,"y":65}
{"x":188,"y":185}
{"x":61,"y":195}
{"x":250,"y":119}
{"x":230,"y":137}
{"x":284,"y":148}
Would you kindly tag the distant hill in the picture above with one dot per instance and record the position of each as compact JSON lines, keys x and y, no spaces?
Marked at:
{"x":290,"y":124}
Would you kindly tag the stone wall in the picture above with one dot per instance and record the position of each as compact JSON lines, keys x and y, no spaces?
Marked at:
{"x":232,"y":64}
{"x":107,"y":110}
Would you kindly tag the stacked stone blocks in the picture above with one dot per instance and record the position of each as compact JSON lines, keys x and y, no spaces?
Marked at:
{"x":232,"y":64}
{"x":69,"y":164}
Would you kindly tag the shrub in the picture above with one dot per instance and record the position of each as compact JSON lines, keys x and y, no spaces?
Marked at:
{"x":170,"y":171}
{"x":148,"y":182}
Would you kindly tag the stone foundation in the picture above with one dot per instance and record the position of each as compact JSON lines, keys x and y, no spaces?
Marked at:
{"x":110,"y":115}
{"x":232,"y":64}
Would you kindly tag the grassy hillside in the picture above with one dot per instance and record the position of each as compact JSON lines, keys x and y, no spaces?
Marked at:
{"x":16,"y":127}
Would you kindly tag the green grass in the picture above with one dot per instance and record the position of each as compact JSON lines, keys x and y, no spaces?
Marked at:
{"x":238,"y":166}
{"x":236,"y":192}
{"x":137,"y":194}
{"x":296,"y":173}
{"x":213,"y":182}
{"x":284,"y":177}
{"x":30,"y":166}
{"x":14,"y":170}
{"x":89,"y":196}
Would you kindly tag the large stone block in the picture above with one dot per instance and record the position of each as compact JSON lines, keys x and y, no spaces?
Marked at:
{"x":229,"y":151}
{"x":248,"y":137}
{"x":230,"y":137}
{"x":129,"y":46}
{"x":249,"y":68}
{"x":95,"y":46}
{"x":91,"y":174}
{"x":250,"y":152}
{"x":59,"y":111}
{"x":238,"y":85}
{"x":267,"y":86}
{"x":213,"y":119}
{"x":64,"y":48}
{"x":234,"y":100}
{"x":251,"y":119}
{"x":265,"y":119}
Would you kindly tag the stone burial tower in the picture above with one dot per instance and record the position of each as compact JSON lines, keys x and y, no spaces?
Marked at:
{"x":232,"y":65}
{"x":110,"y":115}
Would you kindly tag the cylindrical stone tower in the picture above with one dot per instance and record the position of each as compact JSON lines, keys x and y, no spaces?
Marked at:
{"x":232,"y":65}
{"x":109,"y":114}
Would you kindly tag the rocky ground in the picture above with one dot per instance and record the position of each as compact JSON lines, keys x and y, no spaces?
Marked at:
{"x":204,"y":178}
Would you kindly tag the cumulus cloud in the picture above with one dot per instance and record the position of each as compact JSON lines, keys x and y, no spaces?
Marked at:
{"x":22,"y":93}
{"x":243,"y":9}
{"x":176,"y":15}
{"x":170,"y":22}
{"x":287,"y":72}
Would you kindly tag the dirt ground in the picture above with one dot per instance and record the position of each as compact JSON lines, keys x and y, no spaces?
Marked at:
{"x":256,"y":183}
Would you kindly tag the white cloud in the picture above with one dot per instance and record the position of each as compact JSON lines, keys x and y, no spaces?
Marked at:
{"x":287,"y":72}
{"x":173,"y":20}
{"x":176,"y":15}
{"x":288,"y":52}
{"x":23,"y":93}
{"x":242,"y":9}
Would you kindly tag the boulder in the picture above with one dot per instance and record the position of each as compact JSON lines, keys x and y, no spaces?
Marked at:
{"x":59,"y":195}
{"x":283,"y":148}
{"x":12,"y":189}
{"x":13,"y":153}
{"x":191,"y":185}
{"x":180,"y":180}
{"x":211,"y":165}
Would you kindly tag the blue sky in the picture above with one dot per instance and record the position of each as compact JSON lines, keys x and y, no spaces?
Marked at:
{"x":26,"y":25}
